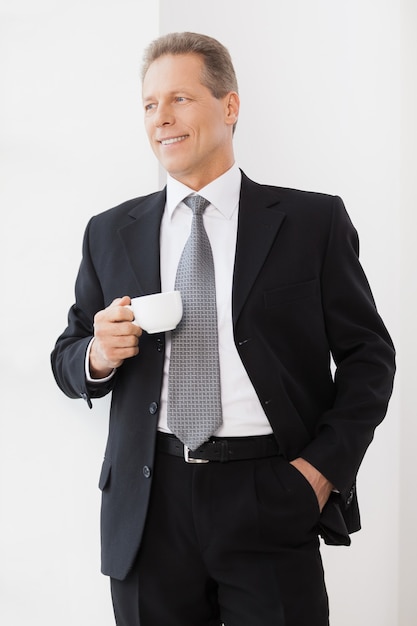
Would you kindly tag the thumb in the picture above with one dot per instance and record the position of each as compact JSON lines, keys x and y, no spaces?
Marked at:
{"x":121,"y":301}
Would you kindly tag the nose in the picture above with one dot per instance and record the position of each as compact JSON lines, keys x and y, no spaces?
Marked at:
{"x":163,"y":116}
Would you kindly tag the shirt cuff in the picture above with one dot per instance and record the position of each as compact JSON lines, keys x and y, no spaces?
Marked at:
{"x":88,"y":377}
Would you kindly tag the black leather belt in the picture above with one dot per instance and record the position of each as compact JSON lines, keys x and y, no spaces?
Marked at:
{"x":219,"y":449}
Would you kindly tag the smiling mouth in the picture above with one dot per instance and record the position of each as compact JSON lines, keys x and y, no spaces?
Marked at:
{"x":167,"y":142}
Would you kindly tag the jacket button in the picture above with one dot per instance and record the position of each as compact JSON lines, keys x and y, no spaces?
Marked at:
{"x":146,"y":471}
{"x":153,"y":407}
{"x":159,"y":345}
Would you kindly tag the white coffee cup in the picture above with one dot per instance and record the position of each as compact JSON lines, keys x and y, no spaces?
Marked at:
{"x":157,"y":312}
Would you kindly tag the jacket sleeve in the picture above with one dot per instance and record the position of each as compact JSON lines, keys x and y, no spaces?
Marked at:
{"x":68,"y":356}
{"x":363,"y":354}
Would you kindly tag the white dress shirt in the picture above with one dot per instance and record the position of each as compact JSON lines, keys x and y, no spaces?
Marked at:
{"x":242,"y":411}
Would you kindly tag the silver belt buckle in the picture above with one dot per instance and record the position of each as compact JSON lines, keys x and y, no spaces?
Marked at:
{"x":189,"y":459}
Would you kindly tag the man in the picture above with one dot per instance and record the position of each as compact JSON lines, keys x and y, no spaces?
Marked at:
{"x":226,"y":532}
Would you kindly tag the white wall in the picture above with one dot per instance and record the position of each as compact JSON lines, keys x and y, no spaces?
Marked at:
{"x":328,"y":104}
{"x":408,"y":317}
{"x":72,"y":144}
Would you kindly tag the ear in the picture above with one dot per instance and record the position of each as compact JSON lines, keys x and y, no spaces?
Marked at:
{"x":232,"y":104}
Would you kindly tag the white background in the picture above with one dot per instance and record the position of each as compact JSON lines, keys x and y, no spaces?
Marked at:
{"x":329,"y":97}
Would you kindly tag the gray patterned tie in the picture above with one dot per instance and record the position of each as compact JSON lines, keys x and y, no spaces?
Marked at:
{"x":194,"y":402}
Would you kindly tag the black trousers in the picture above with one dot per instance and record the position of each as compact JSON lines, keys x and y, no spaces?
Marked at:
{"x":226,"y":543}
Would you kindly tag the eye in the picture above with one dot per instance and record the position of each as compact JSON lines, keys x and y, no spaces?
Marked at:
{"x":149,"y":107}
{"x":180,"y":99}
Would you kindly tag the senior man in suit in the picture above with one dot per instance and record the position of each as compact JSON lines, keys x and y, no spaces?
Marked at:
{"x":225,"y":529}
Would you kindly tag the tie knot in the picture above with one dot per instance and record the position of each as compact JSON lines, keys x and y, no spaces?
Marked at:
{"x":196,"y":203}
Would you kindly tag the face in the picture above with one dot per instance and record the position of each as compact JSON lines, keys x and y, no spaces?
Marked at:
{"x":190,"y":130}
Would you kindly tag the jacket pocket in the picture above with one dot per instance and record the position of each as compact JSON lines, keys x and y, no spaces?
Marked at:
{"x":288,"y":293}
{"x":105,"y":474}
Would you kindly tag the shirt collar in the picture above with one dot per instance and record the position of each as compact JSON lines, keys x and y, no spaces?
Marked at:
{"x":223,"y":192}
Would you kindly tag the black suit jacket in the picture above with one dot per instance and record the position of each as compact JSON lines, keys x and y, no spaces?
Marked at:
{"x":299,"y":296}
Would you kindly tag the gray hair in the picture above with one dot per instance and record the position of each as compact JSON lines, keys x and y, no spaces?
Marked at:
{"x":218,"y":71}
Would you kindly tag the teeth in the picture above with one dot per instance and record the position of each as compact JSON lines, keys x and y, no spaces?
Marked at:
{"x":167,"y":142}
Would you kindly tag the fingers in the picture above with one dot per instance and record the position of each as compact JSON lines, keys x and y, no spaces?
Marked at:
{"x":116,"y":311}
{"x":115,"y":337}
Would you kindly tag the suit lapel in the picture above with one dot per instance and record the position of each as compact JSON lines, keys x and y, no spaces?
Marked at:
{"x":141,"y":241}
{"x":258,"y":224}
